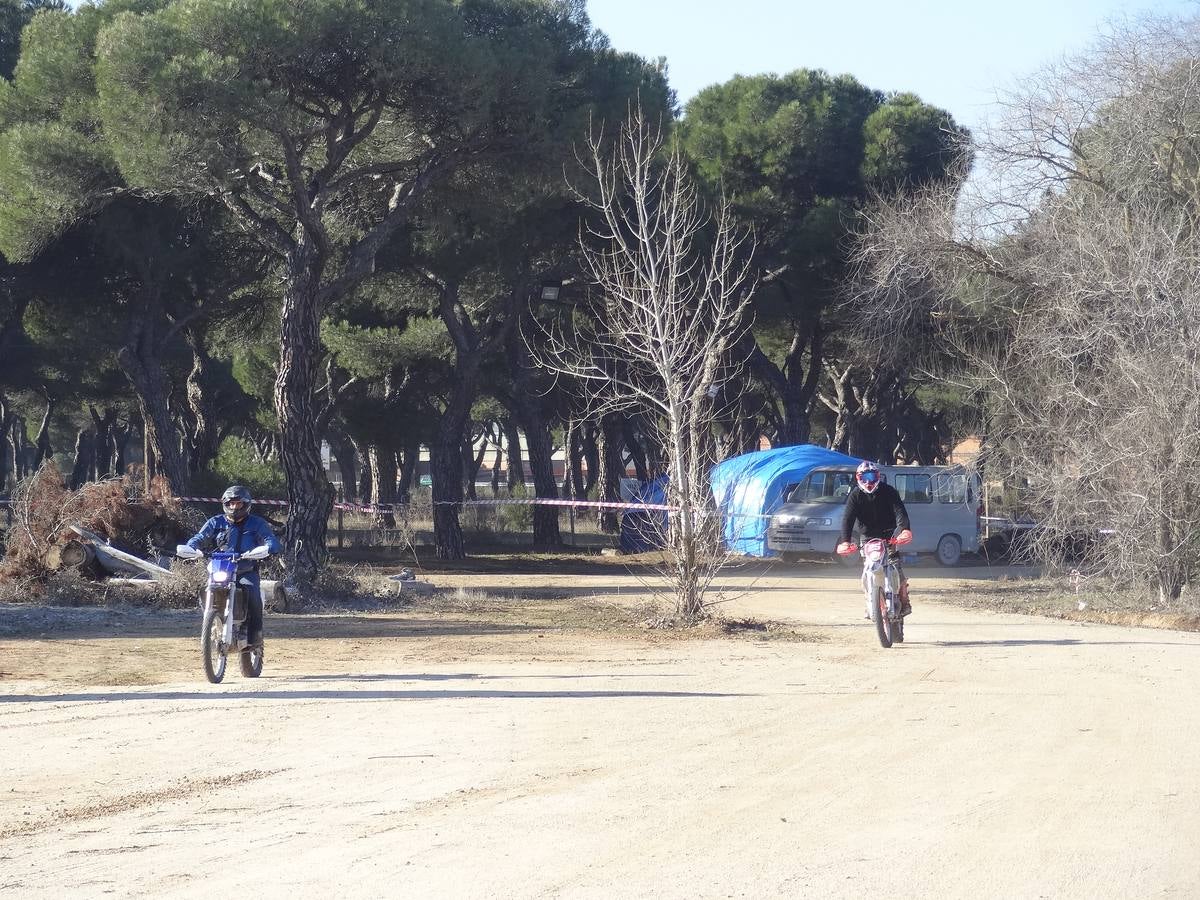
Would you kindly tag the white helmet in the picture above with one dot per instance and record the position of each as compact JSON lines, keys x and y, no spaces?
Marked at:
{"x":868,"y":477}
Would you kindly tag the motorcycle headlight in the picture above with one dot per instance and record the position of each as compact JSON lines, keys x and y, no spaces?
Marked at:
{"x":221,"y":576}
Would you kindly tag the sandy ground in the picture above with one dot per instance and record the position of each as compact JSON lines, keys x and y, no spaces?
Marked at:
{"x":469,"y":752}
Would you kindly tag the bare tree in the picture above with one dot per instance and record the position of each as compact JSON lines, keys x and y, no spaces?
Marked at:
{"x":1065,"y":283}
{"x":675,"y":283}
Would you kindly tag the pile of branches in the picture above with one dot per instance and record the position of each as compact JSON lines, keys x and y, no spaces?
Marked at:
{"x":40,"y":540}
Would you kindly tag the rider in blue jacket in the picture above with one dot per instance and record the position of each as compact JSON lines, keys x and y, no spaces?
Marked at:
{"x":236,"y":531}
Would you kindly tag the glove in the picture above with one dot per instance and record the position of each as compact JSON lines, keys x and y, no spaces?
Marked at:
{"x":904,"y":537}
{"x":846,"y":547}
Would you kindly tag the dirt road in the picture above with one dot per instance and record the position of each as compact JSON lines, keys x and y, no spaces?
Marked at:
{"x":990,"y":756}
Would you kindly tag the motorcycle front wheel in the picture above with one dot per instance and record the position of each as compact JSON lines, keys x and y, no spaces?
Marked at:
{"x":212,"y":652}
{"x":879,"y":614}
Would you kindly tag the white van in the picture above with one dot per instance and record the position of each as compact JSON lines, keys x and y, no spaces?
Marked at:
{"x":944,"y":504}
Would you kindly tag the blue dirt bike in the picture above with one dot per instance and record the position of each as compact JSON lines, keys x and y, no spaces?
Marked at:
{"x":224,"y":605}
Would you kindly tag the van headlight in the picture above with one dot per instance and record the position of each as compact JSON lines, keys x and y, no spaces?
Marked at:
{"x":818,"y":523}
{"x":787,"y":520}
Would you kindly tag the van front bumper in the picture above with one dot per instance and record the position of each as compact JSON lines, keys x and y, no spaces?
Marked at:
{"x":799,"y":537}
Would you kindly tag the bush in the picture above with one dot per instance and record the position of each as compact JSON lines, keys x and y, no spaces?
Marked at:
{"x":515,"y":518}
{"x":238,"y":462}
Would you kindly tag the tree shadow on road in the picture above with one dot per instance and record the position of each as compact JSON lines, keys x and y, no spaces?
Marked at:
{"x":472,"y":676}
{"x":1056,"y":642}
{"x":219,"y":696}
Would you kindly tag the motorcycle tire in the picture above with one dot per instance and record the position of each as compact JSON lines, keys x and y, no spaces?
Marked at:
{"x":883,"y":628}
{"x":211,"y":652}
{"x":252,"y":662}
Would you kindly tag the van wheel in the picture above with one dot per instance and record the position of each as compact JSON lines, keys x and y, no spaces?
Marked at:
{"x":949,"y":550}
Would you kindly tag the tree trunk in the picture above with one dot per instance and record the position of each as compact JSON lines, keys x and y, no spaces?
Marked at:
{"x":445,"y":453}
{"x":472,"y":463}
{"x":310,"y":495}
{"x":569,"y":460}
{"x":85,"y":456}
{"x":149,"y":460}
{"x":143,"y":367}
{"x":17,"y":442}
{"x":445,"y":468}
{"x":635,"y":450}
{"x":526,"y":406}
{"x":611,"y":469}
{"x":205,"y":436}
{"x":383,"y":483}
{"x":121,"y":435}
{"x":497,"y":463}
{"x":103,"y":445}
{"x":591,"y":453}
{"x":795,"y":385}
{"x":364,"y":471}
{"x":42,"y":444}
{"x":6,"y":424}
{"x":409,"y":459}
{"x":546,"y":535}
{"x":345,"y":454}
{"x":516,"y":465}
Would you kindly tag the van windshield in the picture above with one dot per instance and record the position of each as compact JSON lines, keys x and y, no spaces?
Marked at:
{"x":822,"y":486}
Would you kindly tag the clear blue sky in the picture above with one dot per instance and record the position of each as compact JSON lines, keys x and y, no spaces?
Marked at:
{"x":953,"y":54}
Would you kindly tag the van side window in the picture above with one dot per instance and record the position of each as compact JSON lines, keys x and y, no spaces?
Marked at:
{"x":951,"y":488}
{"x":914,"y":488}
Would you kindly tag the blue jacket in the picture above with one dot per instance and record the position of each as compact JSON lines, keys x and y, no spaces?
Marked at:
{"x":237,"y":537}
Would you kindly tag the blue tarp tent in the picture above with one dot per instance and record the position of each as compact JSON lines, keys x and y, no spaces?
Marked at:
{"x":749,"y":487}
{"x":642,"y":531}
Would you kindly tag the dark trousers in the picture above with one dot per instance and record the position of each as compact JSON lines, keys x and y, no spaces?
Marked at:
{"x":249,"y":584}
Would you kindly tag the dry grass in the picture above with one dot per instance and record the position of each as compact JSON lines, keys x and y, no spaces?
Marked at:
{"x":1074,"y":597}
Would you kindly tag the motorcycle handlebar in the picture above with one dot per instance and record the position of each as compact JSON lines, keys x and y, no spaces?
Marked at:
{"x":183,"y":551}
{"x":845,"y":549}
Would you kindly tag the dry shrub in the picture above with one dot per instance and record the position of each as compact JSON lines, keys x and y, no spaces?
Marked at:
{"x":44,"y":509}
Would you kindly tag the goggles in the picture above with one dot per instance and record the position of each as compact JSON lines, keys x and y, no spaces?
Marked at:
{"x":868,"y":477}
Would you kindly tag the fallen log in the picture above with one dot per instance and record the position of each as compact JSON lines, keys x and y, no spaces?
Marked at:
{"x":76,"y":554}
{"x":274,"y":596}
{"x":118,"y":562}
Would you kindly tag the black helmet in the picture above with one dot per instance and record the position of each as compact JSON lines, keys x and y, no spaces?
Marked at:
{"x":235,"y":511}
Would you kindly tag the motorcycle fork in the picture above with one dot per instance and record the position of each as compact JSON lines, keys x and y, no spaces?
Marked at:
{"x":230,"y":607}
{"x":890,"y":588}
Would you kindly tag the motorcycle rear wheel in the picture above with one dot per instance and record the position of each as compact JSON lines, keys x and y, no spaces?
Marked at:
{"x":879,"y":614}
{"x":252,"y":662}
{"x":212,"y":653}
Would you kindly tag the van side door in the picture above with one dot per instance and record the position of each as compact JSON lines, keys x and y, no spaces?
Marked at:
{"x":916,"y":490}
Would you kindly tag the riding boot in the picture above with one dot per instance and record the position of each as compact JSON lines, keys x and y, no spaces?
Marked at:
{"x":905,"y":606}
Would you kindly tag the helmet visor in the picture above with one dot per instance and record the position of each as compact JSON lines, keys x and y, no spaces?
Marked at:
{"x":234,"y":503}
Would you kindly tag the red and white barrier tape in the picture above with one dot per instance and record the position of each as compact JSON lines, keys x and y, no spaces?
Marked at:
{"x":218,"y":500}
{"x":532,"y":501}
